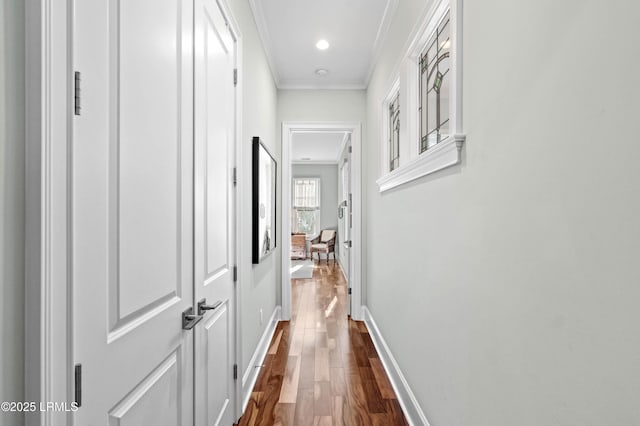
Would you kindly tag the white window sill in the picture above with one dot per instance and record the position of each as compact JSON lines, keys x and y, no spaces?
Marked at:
{"x":446,"y":154}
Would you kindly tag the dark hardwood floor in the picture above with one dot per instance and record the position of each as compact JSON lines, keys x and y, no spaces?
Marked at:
{"x":322,"y":368}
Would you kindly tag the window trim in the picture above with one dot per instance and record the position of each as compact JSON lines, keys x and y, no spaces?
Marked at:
{"x":448,"y":152}
{"x":393,"y":91}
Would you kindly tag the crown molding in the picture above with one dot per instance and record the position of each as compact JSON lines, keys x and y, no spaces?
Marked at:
{"x":383,"y":30}
{"x":263,"y":32}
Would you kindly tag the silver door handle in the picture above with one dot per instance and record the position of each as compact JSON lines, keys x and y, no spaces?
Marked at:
{"x":347,"y":244}
{"x":203,"y":307}
{"x":189,"y":320}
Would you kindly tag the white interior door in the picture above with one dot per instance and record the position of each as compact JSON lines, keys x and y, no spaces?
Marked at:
{"x":132,"y":209}
{"x":214,"y":215}
{"x":345,"y":222}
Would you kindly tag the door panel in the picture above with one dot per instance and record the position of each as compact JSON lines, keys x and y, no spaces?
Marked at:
{"x":160,"y":389}
{"x":132,"y":209}
{"x":214,"y":215}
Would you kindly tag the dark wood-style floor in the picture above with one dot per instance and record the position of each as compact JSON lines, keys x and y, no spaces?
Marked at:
{"x":322,"y":368}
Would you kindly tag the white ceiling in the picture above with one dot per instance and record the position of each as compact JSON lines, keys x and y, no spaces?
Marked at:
{"x":317,"y":147}
{"x":290,"y":29}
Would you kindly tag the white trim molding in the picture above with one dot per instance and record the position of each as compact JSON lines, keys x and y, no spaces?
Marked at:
{"x":446,"y":154}
{"x":48,"y":291}
{"x":410,"y":406}
{"x":253,"y":369}
{"x":355,"y":272}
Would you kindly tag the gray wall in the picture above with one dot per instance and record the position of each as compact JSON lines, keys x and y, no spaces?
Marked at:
{"x":520,"y":267}
{"x":12,"y":166}
{"x":328,"y":174}
{"x":257,"y":283}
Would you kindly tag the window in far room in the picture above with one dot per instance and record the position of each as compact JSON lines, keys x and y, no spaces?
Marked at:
{"x":306,"y":206}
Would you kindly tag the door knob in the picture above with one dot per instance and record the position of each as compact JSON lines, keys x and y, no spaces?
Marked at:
{"x":203,"y":307}
{"x":189,"y":320}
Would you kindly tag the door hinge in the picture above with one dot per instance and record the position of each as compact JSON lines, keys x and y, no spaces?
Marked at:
{"x":78,"y":385}
{"x":235,"y":273}
{"x":349,"y":290}
{"x":76,"y":93}
{"x":350,"y":149}
{"x":235,"y":176}
{"x":235,"y":371}
{"x":235,"y":76}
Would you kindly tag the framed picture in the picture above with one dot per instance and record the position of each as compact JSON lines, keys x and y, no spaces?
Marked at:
{"x":263,"y":201}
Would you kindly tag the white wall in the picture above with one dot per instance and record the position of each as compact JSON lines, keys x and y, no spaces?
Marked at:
{"x":12,"y":206}
{"x":257,"y":282}
{"x":520,"y":267}
{"x":328,"y":174}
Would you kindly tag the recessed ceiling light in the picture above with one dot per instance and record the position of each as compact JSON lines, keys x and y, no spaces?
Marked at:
{"x":322,"y":72}
{"x":322,"y":44}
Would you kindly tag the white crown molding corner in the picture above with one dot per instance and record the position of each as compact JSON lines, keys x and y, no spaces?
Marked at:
{"x":410,"y":406}
{"x":346,"y":86}
{"x":315,"y":163}
{"x":251,"y":373}
{"x":446,"y":154}
{"x":263,"y":32}
{"x":383,"y":30}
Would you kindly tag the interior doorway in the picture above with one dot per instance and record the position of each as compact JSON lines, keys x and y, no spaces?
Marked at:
{"x":338,"y":215}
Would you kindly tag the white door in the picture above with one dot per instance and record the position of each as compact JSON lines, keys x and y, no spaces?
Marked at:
{"x":132,"y":209}
{"x":346,"y":221}
{"x":214,"y":216}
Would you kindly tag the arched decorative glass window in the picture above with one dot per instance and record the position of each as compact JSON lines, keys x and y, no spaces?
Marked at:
{"x":434,"y":64}
{"x":394,"y":133}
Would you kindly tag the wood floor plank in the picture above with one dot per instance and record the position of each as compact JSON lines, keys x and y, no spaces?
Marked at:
{"x":304,"y":408}
{"x":322,"y":365}
{"x":284,"y":414}
{"x":338,"y":384}
{"x":386,"y":390}
{"x":289,"y":390}
{"x":339,"y":410}
{"x":340,"y":379}
{"x":276,"y":342}
{"x":323,"y":421}
{"x":322,"y":399}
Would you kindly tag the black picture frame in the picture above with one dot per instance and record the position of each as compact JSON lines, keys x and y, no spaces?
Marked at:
{"x":264,"y":178}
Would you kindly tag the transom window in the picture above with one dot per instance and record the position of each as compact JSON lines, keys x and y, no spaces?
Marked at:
{"x":426,"y":86}
{"x":394,"y":132}
{"x":434,"y":71}
{"x":306,"y":205}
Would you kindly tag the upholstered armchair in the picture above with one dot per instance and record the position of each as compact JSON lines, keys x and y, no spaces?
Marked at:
{"x":324,"y":243}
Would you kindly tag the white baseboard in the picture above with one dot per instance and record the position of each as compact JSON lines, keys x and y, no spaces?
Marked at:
{"x":342,"y":268}
{"x":251,"y":373}
{"x":406,"y":398}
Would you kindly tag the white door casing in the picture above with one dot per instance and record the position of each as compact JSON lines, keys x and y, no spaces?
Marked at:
{"x":215,"y":392}
{"x":132,"y":211}
{"x":355,"y":254}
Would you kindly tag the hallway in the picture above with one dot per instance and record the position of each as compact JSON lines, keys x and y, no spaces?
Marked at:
{"x":322,"y":368}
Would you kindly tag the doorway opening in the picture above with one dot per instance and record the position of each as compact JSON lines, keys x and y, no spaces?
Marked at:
{"x":321,"y":205}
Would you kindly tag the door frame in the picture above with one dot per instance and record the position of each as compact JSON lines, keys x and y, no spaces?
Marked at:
{"x":48,"y":313}
{"x":48,"y":287}
{"x":288,"y":130}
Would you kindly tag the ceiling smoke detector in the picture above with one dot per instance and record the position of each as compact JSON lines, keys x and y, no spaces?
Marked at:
{"x":321,"y":72}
